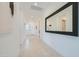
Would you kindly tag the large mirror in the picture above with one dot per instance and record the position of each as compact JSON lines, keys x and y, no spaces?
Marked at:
{"x":64,"y":20}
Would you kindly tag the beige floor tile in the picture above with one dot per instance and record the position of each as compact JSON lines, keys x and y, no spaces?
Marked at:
{"x":35,"y":47}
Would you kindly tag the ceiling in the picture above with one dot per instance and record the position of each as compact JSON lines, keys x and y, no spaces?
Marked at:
{"x":32,"y":11}
{"x":43,"y":5}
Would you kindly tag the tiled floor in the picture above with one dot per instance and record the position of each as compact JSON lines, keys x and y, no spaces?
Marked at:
{"x":35,"y":47}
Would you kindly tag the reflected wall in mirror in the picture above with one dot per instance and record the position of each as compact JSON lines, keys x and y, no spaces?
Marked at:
{"x":64,"y":20}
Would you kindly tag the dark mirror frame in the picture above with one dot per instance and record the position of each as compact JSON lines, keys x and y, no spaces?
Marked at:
{"x":74,"y":19}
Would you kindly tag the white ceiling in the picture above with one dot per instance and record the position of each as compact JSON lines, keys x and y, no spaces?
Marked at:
{"x":43,"y":5}
{"x":32,"y":13}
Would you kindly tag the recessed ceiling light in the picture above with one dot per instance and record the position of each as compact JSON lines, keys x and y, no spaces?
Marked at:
{"x":35,"y":4}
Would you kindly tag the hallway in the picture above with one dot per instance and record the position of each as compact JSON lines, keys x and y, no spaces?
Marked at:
{"x":32,"y":45}
{"x":28,"y":29}
{"x":35,"y":47}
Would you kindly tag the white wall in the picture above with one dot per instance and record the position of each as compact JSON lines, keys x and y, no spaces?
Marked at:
{"x":64,"y":44}
{"x":10,"y":40}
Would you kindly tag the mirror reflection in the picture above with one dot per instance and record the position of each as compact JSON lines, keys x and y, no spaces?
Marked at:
{"x":61,"y":21}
